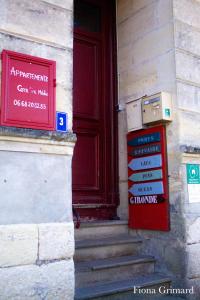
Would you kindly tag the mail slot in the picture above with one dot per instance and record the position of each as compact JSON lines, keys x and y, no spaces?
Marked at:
{"x":28,"y":91}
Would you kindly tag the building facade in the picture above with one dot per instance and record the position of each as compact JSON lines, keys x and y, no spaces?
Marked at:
{"x":106,"y":54}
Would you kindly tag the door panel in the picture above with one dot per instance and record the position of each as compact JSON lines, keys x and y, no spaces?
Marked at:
{"x":86,"y":78}
{"x":86,"y":162}
{"x":94,"y":169}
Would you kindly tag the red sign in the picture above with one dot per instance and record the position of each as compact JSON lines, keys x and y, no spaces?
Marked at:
{"x":148,"y":179}
{"x":28,"y":91}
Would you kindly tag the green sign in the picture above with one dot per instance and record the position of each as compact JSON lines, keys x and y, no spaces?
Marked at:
{"x":193,"y":174}
{"x":167,"y":112}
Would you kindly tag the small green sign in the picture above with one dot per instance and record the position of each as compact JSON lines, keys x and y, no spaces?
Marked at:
{"x":193,"y":174}
{"x":167,"y":112}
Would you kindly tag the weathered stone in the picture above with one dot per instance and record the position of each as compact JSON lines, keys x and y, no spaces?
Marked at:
{"x":123,"y":192}
{"x":189,"y":119}
{"x":193,"y":233}
{"x":187,"y":67}
{"x":193,"y":264}
{"x":63,"y":64}
{"x":164,"y":13}
{"x":187,"y":37}
{"x":18,"y":244}
{"x":39,"y":192}
{"x":51,"y":24}
{"x":157,"y":45}
{"x":56,"y":241}
{"x":53,"y":281}
{"x":126,"y":8}
{"x":188,"y":97}
{"x":187,"y":11}
{"x":195,"y":284}
{"x":174,"y":256}
{"x":14,"y":132}
{"x":137,"y":25}
{"x":67,"y":4}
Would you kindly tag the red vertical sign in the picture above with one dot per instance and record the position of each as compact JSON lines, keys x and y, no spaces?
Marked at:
{"x":28,"y":91}
{"x":148,"y":179}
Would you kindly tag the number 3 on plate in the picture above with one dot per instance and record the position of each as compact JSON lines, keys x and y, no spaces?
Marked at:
{"x":61,"y":121}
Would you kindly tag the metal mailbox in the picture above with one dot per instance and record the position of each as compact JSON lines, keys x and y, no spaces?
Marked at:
{"x":28,"y":91}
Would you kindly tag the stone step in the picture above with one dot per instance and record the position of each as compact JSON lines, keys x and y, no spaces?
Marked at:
{"x":93,"y":249}
{"x":101,"y":228}
{"x":113,"y":269}
{"x":124,"y":289}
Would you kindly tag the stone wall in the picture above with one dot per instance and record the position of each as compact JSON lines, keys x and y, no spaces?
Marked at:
{"x":36,"y":228}
{"x":187,"y":37}
{"x":36,"y":261}
{"x":146,"y":65}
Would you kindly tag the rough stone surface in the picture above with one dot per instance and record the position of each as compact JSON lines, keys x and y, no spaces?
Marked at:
{"x":187,"y":37}
{"x":123,"y":193}
{"x":51,"y":24}
{"x":195,"y":283}
{"x":40,"y":185}
{"x":37,"y":134}
{"x":193,"y":233}
{"x":67,"y":4}
{"x":18,"y":244}
{"x":188,"y":97}
{"x":56,"y":241}
{"x":54,"y":281}
{"x":149,"y":63}
{"x":187,"y":67}
{"x":36,"y":188}
{"x":187,"y":11}
{"x":187,"y":60}
{"x":146,"y":63}
{"x":193,"y":261}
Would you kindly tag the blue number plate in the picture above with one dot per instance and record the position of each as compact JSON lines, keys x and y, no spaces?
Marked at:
{"x":61,"y":121}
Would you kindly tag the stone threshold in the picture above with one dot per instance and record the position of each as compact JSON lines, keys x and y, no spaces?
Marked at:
{"x":38,"y":134}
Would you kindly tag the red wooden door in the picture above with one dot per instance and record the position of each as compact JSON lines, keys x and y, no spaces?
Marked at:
{"x":94,"y":117}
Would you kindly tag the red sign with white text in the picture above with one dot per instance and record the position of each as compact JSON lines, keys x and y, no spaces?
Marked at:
{"x":148,"y":179}
{"x":28,"y":91}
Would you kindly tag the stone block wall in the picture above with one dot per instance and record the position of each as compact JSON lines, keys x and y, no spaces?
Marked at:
{"x":36,"y":226}
{"x":158,"y":50}
{"x":36,"y":261}
{"x":187,"y":51}
{"x":146,"y":65}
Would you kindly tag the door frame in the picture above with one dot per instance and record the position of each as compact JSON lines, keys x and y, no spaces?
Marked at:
{"x":110,"y":92}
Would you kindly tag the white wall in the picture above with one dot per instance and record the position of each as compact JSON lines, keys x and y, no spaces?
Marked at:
{"x":36,"y":231}
{"x":187,"y":37}
{"x":146,"y":65}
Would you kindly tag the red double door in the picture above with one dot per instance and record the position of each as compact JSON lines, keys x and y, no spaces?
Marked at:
{"x":94,"y":169}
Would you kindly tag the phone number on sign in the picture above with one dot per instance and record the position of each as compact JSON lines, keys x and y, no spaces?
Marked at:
{"x":22,"y":103}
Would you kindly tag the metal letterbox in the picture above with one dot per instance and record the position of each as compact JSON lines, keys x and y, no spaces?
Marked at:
{"x":157,"y":108}
{"x":134,"y":115}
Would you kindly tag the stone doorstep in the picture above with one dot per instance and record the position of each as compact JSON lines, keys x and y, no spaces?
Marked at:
{"x":114,"y":262}
{"x":93,"y":243}
{"x":103,"y":223}
{"x":113,"y":269}
{"x":98,"y":229}
{"x":93,"y":249}
{"x":117,"y":287}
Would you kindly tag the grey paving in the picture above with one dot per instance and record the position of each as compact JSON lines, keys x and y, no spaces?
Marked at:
{"x":113,"y":262}
{"x":123,"y":239}
{"x":104,"y":289}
